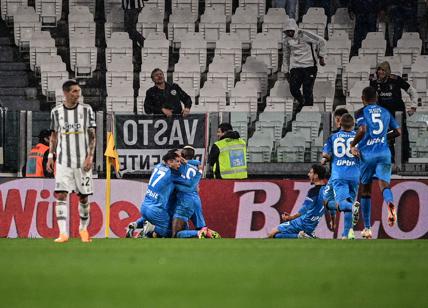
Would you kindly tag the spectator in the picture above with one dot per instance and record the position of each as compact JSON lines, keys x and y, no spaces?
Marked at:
{"x":165,"y":98}
{"x":38,"y":157}
{"x":228,"y":155}
{"x":388,"y":88}
{"x":301,"y":50}
{"x":290,"y":7}
{"x":403,"y":15}
{"x":366,"y":13}
{"x":132,"y":9}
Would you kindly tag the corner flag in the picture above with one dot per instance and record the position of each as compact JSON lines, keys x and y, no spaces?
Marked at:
{"x":111,"y":153}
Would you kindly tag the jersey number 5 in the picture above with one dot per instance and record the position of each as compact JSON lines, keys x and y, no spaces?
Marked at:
{"x":377,"y":120}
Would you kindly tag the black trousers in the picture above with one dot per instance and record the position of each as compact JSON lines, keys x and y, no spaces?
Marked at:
{"x":303,"y":76}
{"x":131,"y":19}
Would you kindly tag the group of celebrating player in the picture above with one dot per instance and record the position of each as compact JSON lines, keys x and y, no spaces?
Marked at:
{"x":172,"y":199}
{"x":357,"y":157}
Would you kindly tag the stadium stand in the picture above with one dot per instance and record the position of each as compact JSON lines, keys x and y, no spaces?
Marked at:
{"x":26,"y":21}
{"x":260,"y":146}
{"x":194,"y":45}
{"x":49,"y":11}
{"x":244,"y":23}
{"x":274,"y":22}
{"x":230,"y":46}
{"x":222,"y":70}
{"x":212,"y":25}
{"x":114,"y":23}
{"x":265,"y":48}
{"x":150,"y":20}
{"x":180,"y":22}
{"x":212,"y":97}
{"x":315,"y":21}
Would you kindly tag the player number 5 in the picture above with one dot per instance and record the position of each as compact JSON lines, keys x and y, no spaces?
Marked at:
{"x":377,"y":120}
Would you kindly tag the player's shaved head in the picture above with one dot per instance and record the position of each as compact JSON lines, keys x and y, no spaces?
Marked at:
{"x":347,"y":121}
{"x":369,"y":94}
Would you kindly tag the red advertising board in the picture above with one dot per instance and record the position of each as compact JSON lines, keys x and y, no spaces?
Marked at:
{"x":241,"y":209}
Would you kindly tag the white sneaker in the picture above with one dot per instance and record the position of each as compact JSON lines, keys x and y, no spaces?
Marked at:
{"x":366,"y":233}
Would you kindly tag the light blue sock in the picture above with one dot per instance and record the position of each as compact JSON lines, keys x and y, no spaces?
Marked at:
{"x":187,"y":233}
{"x":346,"y":207}
{"x":285,"y":235}
{"x":387,"y":195}
{"x":140,"y":222}
{"x":332,"y":208}
{"x":366,"y":204}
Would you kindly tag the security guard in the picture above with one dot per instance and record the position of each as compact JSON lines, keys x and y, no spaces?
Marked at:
{"x":38,"y":157}
{"x":228,"y":155}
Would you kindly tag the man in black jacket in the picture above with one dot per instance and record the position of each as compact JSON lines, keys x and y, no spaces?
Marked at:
{"x":165,"y":98}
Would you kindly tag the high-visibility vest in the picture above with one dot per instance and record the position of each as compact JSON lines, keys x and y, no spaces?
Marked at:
{"x":35,"y":161}
{"x":232,"y":159}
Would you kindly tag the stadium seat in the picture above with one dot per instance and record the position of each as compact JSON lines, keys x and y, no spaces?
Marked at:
{"x":338,"y":49}
{"x":194,"y":45}
{"x":265,"y":48}
{"x":274,"y":22}
{"x":114,"y":23}
{"x":187,"y":74}
{"x":25,"y":22}
{"x":192,"y":5}
{"x":120,"y":72}
{"x":291,"y":149}
{"x":212,"y":25}
{"x":408,"y":48}
{"x":144,"y":86}
{"x":280,"y":98}
{"x":273,"y":122}
{"x":83,"y":55}
{"x":307,"y":125}
{"x":120,"y":99}
{"x":90,"y":4}
{"x":239,"y":122}
{"x":243,"y":97}
{"x":41,"y":43}
{"x":259,"y":147}
{"x":118,"y":46}
{"x":180,"y":22}
{"x":9,"y":7}
{"x":323,"y":95}
{"x":159,"y":4}
{"x":52,"y":76}
{"x":150,"y":20}
{"x":257,"y":5}
{"x":327,"y":73}
{"x":316,"y":148}
{"x":314,"y":20}
{"x":222,"y":5}
{"x":341,"y":21}
{"x":254,"y":69}
{"x":417,"y":126}
{"x":49,"y":11}
{"x":373,"y":50}
{"x":230,"y":46}
{"x":222,"y":70}
{"x":244,"y":23}
{"x":81,"y":20}
{"x":156,"y":44}
{"x":357,"y":69}
{"x":111,"y":6}
{"x":212,"y":97}
{"x":418,"y":77}
{"x":354,"y":96}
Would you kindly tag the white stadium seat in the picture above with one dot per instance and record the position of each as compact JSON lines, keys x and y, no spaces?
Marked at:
{"x":41,"y":43}
{"x":230,"y":45}
{"x":114,"y":23}
{"x":212,"y":25}
{"x":49,"y":11}
{"x":212,"y":97}
{"x":156,"y":44}
{"x":280,"y":98}
{"x":9,"y":7}
{"x":187,"y":74}
{"x":257,"y":5}
{"x":192,"y":5}
{"x":26,"y":21}
{"x":222,"y":70}
{"x":83,"y":55}
{"x":265,"y":48}
{"x":119,"y":45}
{"x":274,"y":22}
{"x":222,"y":5}
{"x":244,"y":23}
{"x":180,"y":22}
{"x":194,"y":45}
{"x":259,"y":147}
{"x":254,"y":69}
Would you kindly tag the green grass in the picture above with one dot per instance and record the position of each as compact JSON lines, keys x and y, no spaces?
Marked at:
{"x":213,"y":273}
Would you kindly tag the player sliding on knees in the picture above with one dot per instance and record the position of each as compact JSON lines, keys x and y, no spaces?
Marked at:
{"x":304,"y":222}
{"x":375,"y":127}
{"x":188,"y":204}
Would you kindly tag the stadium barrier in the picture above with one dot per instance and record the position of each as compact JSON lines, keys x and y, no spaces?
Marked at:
{"x":237,"y":209}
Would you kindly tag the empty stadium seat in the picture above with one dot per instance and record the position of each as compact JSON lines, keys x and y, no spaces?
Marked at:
{"x":327,"y":73}
{"x":265,"y":48}
{"x":338,"y":49}
{"x":114,"y":23}
{"x":49,"y":11}
{"x":239,"y":122}
{"x":83,"y":55}
{"x":254,"y":69}
{"x":373,"y":49}
{"x":257,"y":5}
{"x":314,"y":20}
{"x":120,"y":99}
{"x":41,"y":43}
{"x":26,"y":21}
{"x":212,"y":97}
{"x":230,"y":46}
{"x":212,"y":25}
{"x":222,"y":70}
{"x":259,"y":147}
{"x":192,"y":5}
{"x":307,"y":124}
{"x":180,"y":22}
{"x":222,"y":5}
{"x":150,"y":20}
{"x":111,"y":6}
{"x":274,"y":22}
{"x":291,"y":148}
{"x":244,"y":23}
{"x":187,"y":74}
{"x":52,"y":74}
{"x":273,"y":122}
{"x":81,"y":20}
{"x":9,"y":7}
{"x":90,"y":4}
{"x":354,"y":96}
{"x":357,"y":69}
{"x":280,"y":98}
{"x":323,"y":95}
{"x":156,"y":44}
{"x":341,"y":21}
{"x":408,"y":48}
{"x":418,"y":77}
{"x":120,"y":72}
{"x":194,"y":45}
{"x":118,"y":46}
{"x":243,"y":97}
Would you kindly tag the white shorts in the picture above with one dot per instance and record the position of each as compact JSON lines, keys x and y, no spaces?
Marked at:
{"x":73,"y":180}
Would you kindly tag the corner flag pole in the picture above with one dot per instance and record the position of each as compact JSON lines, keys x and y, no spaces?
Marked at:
{"x":108,"y":191}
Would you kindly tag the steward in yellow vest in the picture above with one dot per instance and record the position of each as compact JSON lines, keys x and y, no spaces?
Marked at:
{"x":38,"y":157}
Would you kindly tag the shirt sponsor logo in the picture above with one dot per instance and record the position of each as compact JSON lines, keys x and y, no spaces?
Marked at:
{"x":173,"y":92}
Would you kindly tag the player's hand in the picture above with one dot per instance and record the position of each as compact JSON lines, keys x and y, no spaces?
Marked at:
{"x":355,"y":151}
{"x":50,"y":165}
{"x":411,"y":111}
{"x":185,"y":112}
{"x":87,"y":164}
{"x":167,"y":112}
{"x":322,"y":61}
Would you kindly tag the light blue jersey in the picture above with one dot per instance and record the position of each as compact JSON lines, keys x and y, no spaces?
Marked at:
{"x":344,"y":165}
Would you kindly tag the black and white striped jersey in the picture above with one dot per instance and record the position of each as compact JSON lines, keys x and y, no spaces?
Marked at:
{"x":71,"y":125}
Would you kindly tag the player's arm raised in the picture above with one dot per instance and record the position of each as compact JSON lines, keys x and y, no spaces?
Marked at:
{"x":87,"y":165}
{"x":360,"y":134}
{"x":52,"y":146}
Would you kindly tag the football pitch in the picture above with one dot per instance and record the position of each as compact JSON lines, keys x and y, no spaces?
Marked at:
{"x":213,"y":273}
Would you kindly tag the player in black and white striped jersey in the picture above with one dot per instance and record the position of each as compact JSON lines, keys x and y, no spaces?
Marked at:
{"x":73,"y":141}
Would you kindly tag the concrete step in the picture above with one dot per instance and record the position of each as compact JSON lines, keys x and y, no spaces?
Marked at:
{"x":14,"y":66}
{"x":16,"y":103}
{"x":10,"y":79}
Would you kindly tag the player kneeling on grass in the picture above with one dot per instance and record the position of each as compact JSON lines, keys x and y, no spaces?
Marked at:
{"x":345,"y":172}
{"x":303,"y":223}
{"x":188,"y":204}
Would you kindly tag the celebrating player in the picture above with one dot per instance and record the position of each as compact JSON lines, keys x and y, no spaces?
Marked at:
{"x":303,"y":223}
{"x":345,"y":172}
{"x":374,"y":123}
{"x":73,"y":141}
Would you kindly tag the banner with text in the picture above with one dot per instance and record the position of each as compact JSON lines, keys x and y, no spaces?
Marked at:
{"x":240,"y":209}
{"x":142,"y":140}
